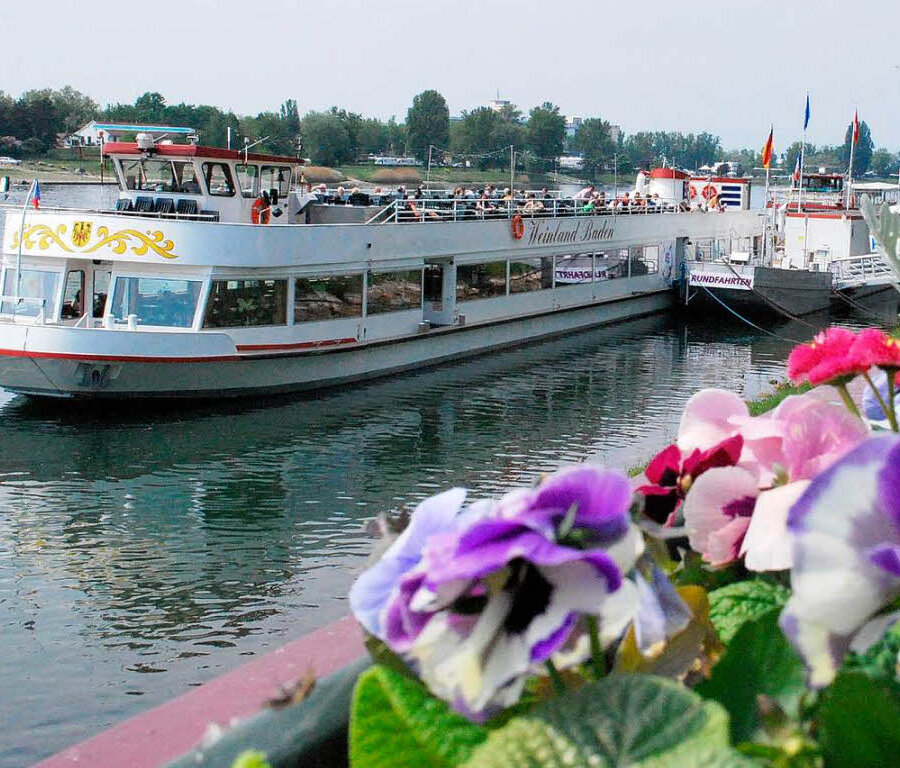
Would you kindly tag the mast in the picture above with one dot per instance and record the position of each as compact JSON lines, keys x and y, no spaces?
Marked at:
{"x":802,"y":153}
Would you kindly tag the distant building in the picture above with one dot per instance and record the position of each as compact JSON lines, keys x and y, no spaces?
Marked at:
{"x":570,"y":162}
{"x":498,"y":104}
{"x":95,"y":133}
{"x":572,"y":125}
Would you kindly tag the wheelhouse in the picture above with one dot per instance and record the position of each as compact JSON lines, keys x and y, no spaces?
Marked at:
{"x":194,"y":181}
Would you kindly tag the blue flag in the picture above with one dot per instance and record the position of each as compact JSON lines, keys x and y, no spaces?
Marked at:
{"x":36,"y":196}
{"x":806,"y":115}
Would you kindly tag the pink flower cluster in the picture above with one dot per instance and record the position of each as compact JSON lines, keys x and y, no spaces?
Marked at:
{"x":738,"y":507}
{"x":837,"y":355}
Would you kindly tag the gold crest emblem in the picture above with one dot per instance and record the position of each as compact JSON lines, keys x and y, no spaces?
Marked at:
{"x":81,"y":233}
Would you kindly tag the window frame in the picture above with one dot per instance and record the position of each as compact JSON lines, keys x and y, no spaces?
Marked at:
{"x":207,"y":176}
{"x":112,"y":292}
{"x":211,"y":295}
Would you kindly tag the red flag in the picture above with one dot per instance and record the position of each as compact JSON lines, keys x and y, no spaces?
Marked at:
{"x":856,"y":126}
{"x":767,"y":151}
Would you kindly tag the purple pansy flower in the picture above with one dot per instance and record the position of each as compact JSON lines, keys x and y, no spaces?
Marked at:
{"x":491,"y":602}
{"x":370,"y":592}
{"x":845,"y":532}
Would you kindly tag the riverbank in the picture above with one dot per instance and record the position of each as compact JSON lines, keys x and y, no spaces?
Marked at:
{"x":56,"y":172}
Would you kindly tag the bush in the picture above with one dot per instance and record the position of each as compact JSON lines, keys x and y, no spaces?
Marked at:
{"x":318,"y":174}
{"x":396,"y":176}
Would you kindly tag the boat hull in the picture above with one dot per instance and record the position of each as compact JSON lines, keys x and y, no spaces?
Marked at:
{"x":84,"y":376}
{"x":775,"y":292}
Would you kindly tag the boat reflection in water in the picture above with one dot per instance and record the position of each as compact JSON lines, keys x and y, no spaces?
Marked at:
{"x":178,"y":541}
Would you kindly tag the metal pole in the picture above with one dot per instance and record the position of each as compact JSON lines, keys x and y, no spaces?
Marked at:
{"x":428,"y":172}
{"x":512,"y":167}
{"x":850,"y":169}
{"x":615,"y":178}
{"x":21,"y":235}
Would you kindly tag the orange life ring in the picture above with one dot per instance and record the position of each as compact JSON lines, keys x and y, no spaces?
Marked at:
{"x":708,"y":192}
{"x":260,"y":213}
{"x":693,"y":191}
{"x":518,"y":227}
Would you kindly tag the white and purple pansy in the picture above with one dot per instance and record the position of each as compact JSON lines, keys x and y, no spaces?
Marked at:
{"x":845,"y":532}
{"x":490,"y":602}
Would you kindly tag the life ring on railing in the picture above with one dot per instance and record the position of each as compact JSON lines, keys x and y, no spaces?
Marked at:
{"x":693,"y":191}
{"x":518,"y":227}
{"x":260,"y":213}
{"x":709,"y":191}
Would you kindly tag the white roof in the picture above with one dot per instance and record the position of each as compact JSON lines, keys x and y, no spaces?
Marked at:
{"x":875,"y":186}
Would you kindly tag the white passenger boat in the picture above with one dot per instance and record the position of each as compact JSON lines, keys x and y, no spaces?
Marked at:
{"x":821,"y":250}
{"x":198,"y":285}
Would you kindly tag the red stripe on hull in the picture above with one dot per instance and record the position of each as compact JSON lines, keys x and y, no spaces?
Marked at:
{"x":296,"y":345}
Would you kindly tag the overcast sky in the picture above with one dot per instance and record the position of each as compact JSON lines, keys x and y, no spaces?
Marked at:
{"x":728,"y":67}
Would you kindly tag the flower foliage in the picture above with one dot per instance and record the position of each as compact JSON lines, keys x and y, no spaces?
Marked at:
{"x":497,"y":605}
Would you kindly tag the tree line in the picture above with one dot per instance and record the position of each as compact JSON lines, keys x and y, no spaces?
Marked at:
{"x":33,"y":124}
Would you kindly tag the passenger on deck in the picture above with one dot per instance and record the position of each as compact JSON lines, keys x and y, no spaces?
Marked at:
{"x":585,"y":193}
{"x":507,"y":196}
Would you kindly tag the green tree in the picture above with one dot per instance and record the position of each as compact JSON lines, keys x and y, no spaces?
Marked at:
{"x":73,"y":108}
{"x":639,"y":150}
{"x":595,"y":145}
{"x":36,"y":120}
{"x":546,"y":133}
{"x":325,"y":139}
{"x":884,"y":163}
{"x":862,"y":152}
{"x":427,"y":123}
{"x":150,"y":107}
{"x":290,"y":115}
{"x":791,"y":154}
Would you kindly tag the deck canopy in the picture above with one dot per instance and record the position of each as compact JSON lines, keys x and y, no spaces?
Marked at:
{"x":195,"y":150}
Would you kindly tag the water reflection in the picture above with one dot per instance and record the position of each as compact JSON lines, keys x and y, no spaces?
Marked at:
{"x":145,"y":551}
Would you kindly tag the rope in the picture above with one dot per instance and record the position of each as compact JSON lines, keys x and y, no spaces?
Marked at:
{"x":859,"y":307}
{"x":748,"y":322}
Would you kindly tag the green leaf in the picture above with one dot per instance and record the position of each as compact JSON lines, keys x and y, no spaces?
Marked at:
{"x":759,"y":660}
{"x":395,"y":722}
{"x":881,"y":659}
{"x":732,"y":606}
{"x":860,"y":722}
{"x":634,"y":720}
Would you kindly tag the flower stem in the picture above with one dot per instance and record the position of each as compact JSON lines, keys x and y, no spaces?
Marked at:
{"x":555,"y":677}
{"x":892,"y":412}
{"x":596,"y":648}
{"x":848,"y":401}
{"x":888,"y":412}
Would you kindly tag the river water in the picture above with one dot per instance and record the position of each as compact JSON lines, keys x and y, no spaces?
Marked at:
{"x":144,"y":550}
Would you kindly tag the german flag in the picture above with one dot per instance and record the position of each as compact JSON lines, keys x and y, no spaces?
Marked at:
{"x":767,"y":150}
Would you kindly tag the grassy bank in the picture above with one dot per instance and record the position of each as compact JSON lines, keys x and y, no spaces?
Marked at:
{"x":87,"y":171}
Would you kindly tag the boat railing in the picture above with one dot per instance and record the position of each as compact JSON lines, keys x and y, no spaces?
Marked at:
{"x":22,"y":309}
{"x":867,"y":269}
{"x":206,"y":216}
{"x":455,"y":209}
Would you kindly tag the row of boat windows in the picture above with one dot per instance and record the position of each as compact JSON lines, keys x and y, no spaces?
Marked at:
{"x":180,"y":177}
{"x":264,"y":302}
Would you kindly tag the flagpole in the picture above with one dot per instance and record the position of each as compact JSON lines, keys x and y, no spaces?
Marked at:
{"x":802,"y":152}
{"x":850,"y":170}
{"x":21,"y":235}
{"x":766,"y":198}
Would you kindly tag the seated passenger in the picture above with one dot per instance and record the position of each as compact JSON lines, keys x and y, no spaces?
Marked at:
{"x":585,"y":193}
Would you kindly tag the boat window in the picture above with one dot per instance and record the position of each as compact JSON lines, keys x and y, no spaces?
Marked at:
{"x":480,"y":281}
{"x":247,"y":177}
{"x":276,"y":177}
{"x":645,"y":260}
{"x":149,"y":175}
{"x":704,"y":250}
{"x":35,"y":284}
{"x":156,"y":301}
{"x":186,"y":178}
{"x":327,"y":298}
{"x":573,"y":270}
{"x":434,"y":282}
{"x":101,"y":288}
{"x":530,"y":274}
{"x":218,"y":179}
{"x":610,"y":265}
{"x":73,"y":295}
{"x":394,"y":291}
{"x":240,"y":303}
